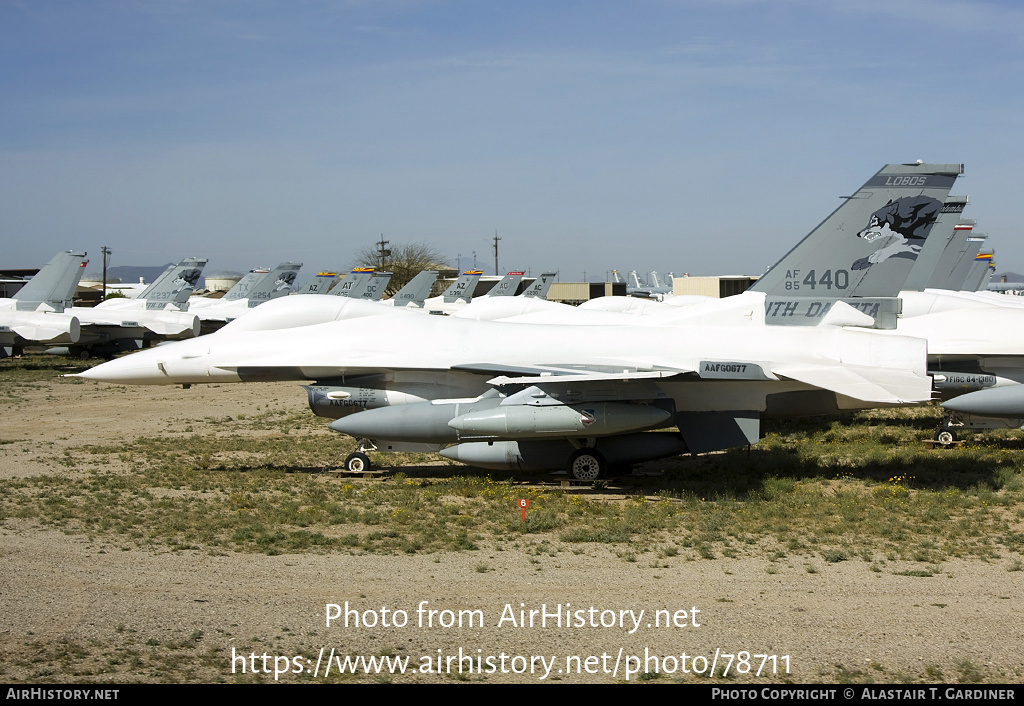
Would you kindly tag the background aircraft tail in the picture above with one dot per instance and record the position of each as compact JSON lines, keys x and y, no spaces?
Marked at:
{"x":372,"y":288}
{"x":352,"y":281}
{"x":174,"y":285}
{"x":956,"y":250}
{"x":416,"y":291}
{"x":277,"y":283}
{"x":244,"y":286}
{"x":541,"y":285}
{"x":945,"y":233}
{"x":463,"y":287}
{"x":507,"y":285}
{"x":53,"y":287}
{"x":320,"y":284}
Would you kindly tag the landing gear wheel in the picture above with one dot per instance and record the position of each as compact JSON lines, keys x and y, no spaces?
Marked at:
{"x":945,"y":436}
{"x":587,"y":464}
{"x":83,"y":354}
{"x":358,"y":462}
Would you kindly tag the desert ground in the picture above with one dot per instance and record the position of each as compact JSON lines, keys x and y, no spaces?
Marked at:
{"x":114,"y":574}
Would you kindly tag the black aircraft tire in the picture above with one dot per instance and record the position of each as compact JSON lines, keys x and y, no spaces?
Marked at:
{"x":358,"y":462}
{"x":587,"y":464}
{"x":945,"y":436}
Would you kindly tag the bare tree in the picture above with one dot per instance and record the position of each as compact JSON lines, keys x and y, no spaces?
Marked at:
{"x":404,"y":261}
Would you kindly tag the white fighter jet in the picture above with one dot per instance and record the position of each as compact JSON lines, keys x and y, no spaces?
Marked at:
{"x":39,"y":313}
{"x":582,"y":396}
{"x":160,"y":313}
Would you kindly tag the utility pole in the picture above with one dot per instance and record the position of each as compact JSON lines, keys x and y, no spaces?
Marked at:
{"x":496,"y":239}
{"x":106,"y":251}
{"x":382,"y":250}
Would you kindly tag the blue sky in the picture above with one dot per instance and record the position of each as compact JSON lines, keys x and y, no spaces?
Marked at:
{"x":693,"y":136}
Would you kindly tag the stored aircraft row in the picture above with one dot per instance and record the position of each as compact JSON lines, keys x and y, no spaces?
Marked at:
{"x":523,"y":383}
{"x":42,"y":313}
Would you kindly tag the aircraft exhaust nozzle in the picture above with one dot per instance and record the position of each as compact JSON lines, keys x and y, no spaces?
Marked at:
{"x":526,"y":421}
{"x":46,"y":327}
{"x":175,"y":324}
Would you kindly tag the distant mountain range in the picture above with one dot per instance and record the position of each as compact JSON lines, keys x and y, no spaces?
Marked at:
{"x":127,"y":274}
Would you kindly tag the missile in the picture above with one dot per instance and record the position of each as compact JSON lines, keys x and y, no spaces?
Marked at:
{"x":446,"y":421}
{"x":421,"y":422}
{"x":994,"y":402}
{"x":592,"y":419}
{"x":553,"y":454}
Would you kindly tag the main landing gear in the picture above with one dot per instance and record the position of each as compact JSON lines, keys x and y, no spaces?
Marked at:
{"x":587,"y":464}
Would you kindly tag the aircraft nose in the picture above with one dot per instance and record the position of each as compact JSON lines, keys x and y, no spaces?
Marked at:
{"x":141,"y":368}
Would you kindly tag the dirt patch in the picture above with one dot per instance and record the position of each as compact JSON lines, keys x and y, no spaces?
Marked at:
{"x":91,"y":608}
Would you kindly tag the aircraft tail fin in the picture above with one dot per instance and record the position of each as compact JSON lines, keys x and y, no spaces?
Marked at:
{"x":320,"y":284}
{"x":955,"y":278}
{"x":277,"y":283}
{"x":507,"y":285}
{"x":463,"y":287}
{"x":352,"y":281}
{"x":943,"y":235}
{"x":415,"y":292}
{"x":881,"y":228}
{"x":988,"y":272}
{"x":244,"y":286}
{"x":541,"y":285}
{"x":175,"y":284}
{"x":960,"y":275}
{"x":53,"y":287}
{"x":956,"y":250}
{"x":372,"y":288}
{"x":978,"y":277}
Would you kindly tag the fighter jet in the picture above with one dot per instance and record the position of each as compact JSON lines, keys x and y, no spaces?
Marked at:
{"x":654,"y":289}
{"x":158,"y":314}
{"x":36,"y":313}
{"x":975,"y":355}
{"x":170,"y":291}
{"x":582,"y":396}
{"x":975,"y":346}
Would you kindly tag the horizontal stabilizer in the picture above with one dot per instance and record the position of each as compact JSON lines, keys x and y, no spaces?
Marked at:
{"x":892,"y":386}
{"x":866,"y":312}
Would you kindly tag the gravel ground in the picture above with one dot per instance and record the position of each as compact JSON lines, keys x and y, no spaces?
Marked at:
{"x":76,"y":610}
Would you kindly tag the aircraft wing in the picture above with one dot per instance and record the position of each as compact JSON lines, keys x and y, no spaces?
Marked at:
{"x":575,"y":377}
{"x":529,"y":374}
